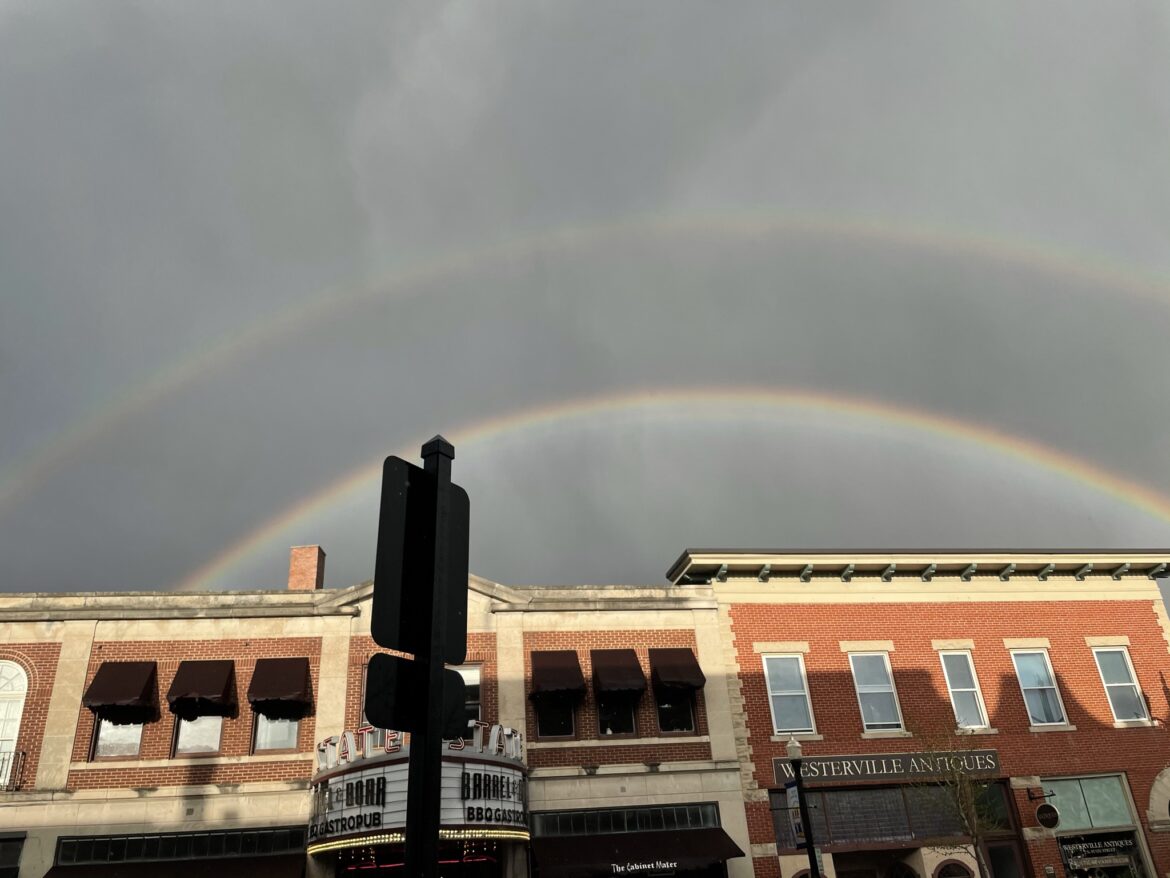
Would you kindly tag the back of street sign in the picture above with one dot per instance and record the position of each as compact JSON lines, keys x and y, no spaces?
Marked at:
{"x":404,"y":567}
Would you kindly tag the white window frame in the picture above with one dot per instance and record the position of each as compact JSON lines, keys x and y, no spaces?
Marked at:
{"x":1141,"y":696}
{"x":16,"y":692}
{"x":1055,"y":685}
{"x":893,"y":691}
{"x":986,"y":723}
{"x":804,"y":682}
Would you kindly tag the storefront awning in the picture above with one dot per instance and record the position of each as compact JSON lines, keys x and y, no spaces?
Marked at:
{"x":557,"y":672}
{"x":583,"y":856}
{"x":203,"y":688}
{"x":676,"y":667}
{"x":281,"y":688}
{"x":124,"y":692}
{"x":618,"y":671}
{"x":276,"y":866}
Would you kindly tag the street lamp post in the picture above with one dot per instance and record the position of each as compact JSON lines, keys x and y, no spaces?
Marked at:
{"x":793,"y":747}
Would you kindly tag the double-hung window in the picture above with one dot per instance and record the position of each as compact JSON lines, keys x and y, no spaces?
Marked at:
{"x":1125,"y":698}
{"x":1038,"y":685}
{"x":963,"y":685}
{"x":875,"y":691}
{"x":788,"y":693}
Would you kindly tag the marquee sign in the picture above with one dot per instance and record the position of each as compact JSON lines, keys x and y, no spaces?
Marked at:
{"x":475,"y":793}
{"x":890,"y":766}
{"x":362,"y":783}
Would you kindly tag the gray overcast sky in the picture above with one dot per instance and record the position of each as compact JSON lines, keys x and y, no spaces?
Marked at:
{"x":669,"y":274}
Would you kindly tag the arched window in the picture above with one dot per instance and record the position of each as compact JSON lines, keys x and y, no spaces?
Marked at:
{"x":13,"y":688}
{"x":952,"y":869}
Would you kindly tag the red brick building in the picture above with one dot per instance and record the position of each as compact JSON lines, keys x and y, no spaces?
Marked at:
{"x":1047,"y":670}
{"x":615,"y":730}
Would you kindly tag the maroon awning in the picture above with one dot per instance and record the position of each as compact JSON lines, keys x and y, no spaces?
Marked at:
{"x":124,"y":692}
{"x":676,"y":667}
{"x":557,"y":672}
{"x":582,"y":856}
{"x":617,"y":671}
{"x":203,"y":688}
{"x":281,"y":688}
{"x":275,"y":866}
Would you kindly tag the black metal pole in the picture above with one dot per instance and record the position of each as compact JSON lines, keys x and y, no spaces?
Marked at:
{"x":814,"y":870}
{"x":424,"y":776}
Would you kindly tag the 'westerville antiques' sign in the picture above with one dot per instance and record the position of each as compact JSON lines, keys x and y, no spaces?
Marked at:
{"x":890,"y":766}
{"x":1098,"y":851}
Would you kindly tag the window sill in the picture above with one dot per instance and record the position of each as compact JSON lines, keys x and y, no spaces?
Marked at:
{"x":885,"y":733}
{"x":609,"y":741}
{"x":1055,"y":727}
{"x":800,"y":736}
{"x":1134,"y":724}
{"x":130,"y":762}
{"x":986,"y":730}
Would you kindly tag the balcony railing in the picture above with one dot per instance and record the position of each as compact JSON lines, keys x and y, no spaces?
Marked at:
{"x":11,"y":770}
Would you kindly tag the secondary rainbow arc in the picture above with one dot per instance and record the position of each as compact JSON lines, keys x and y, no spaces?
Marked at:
{"x":21,"y":476}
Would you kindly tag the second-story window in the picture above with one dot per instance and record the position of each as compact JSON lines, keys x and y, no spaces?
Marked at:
{"x":275,"y":733}
{"x":1125,"y":698}
{"x":618,"y":684}
{"x":1038,"y":685}
{"x":471,"y":698}
{"x":280,"y":694}
{"x":114,"y":740}
{"x":202,"y":693}
{"x":875,"y":691}
{"x":123,"y":697}
{"x":676,"y":677}
{"x":557,"y":686}
{"x":788,"y":693}
{"x":963,"y":685}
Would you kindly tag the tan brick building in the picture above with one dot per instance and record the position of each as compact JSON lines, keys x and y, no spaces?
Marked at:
{"x":622,"y":729}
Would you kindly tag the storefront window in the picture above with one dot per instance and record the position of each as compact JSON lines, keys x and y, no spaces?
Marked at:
{"x":1090,"y":802}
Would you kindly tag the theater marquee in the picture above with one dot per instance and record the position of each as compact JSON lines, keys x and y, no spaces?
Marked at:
{"x":890,"y":766}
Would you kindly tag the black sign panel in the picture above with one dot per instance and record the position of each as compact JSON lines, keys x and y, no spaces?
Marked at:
{"x":404,"y":567}
{"x":392,"y":696}
{"x":890,"y":766}
{"x":1098,"y":850}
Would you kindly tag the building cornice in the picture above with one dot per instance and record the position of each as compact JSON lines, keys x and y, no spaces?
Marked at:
{"x":705,"y":566}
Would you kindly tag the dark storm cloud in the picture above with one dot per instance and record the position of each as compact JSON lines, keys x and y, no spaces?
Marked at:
{"x":171,"y":175}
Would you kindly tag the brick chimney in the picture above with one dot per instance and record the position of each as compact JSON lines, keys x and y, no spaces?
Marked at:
{"x":306,"y":568}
